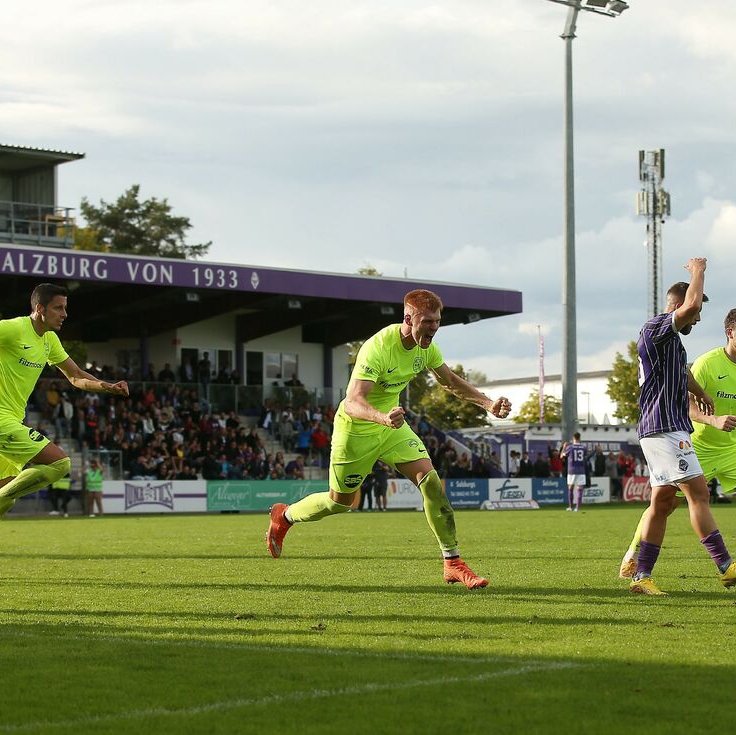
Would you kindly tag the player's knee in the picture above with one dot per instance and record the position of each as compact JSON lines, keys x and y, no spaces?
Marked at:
{"x":431,"y":485}
{"x":335,"y":507}
{"x":61,"y":468}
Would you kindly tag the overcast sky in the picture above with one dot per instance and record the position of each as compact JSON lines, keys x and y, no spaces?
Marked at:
{"x":412,"y":136}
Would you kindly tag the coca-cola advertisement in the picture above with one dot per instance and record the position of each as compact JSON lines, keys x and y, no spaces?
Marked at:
{"x":637,"y":489}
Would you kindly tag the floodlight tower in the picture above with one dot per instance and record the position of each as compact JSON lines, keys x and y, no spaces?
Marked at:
{"x":653,"y":202}
{"x":611,"y":8}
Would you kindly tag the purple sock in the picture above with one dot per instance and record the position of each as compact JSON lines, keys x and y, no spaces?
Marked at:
{"x":580,"y":498}
{"x":715,"y":546}
{"x":570,"y":493}
{"x":648,"y":554}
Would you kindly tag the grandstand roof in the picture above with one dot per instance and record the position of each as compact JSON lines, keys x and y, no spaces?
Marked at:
{"x":20,"y":158}
{"x":125,"y":295}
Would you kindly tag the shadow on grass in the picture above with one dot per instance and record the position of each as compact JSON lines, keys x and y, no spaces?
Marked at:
{"x":157,"y":685}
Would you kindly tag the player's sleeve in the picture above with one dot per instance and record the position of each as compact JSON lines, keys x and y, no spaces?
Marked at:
{"x":661,"y":327}
{"x":434,"y":357}
{"x":57,"y":353}
{"x":369,"y":363}
{"x":8,"y":332}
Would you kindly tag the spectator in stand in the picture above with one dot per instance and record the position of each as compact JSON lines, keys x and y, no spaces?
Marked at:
{"x":167,"y":375}
{"x":303,"y":441}
{"x":526,"y":467}
{"x":53,"y":399}
{"x":612,"y":474}
{"x":514,"y":464}
{"x":204,"y":370}
{"x":186,"y":371}
{"x":541,"y":466}
{"x":599,"y":462}
{"x":294,"y":382}
{"x":556,"y":464}
{"x":321,"y":443}
{"x":294,"y":470}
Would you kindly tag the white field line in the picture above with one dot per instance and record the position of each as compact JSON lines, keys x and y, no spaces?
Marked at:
{"x":255,"y":648}
{"x":308,"y":694}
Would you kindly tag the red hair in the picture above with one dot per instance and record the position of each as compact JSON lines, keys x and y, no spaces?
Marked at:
{"x":421,"y":300}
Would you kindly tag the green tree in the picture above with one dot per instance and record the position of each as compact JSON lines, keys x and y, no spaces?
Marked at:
{"x":477,"y":377}
{"x":447,"y":411}
{"x":137,"y":227}
{"x":623,"y":385}
{"x":529,"y":410}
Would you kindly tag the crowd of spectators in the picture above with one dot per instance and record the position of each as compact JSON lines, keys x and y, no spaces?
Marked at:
{"x":168,"y":431}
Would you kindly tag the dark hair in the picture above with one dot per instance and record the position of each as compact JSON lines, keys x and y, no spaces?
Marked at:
{"x":677,"y":292}
{"x":730,"y":321}
{"x":422,"y":300}
{"x":576,"y":435}
{"x":45,"y":292}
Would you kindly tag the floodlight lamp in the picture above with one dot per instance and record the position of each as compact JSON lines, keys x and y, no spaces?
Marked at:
{"x":617,"y":6}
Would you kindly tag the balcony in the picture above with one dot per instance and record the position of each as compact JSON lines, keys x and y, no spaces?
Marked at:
{"x":36,"y":224}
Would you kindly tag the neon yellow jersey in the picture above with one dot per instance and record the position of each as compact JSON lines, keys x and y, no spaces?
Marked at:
{"x":23,"y":355}
{"x":717,"y":374}
{"x":386,"y":362}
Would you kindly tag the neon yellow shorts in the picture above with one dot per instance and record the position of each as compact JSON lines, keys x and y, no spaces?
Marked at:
{"x":19,"y":444}
{"x":353,"y":455}
{"x":722,"y":467}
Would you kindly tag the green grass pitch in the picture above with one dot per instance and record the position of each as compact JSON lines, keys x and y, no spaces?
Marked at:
{"x":164,"y":624}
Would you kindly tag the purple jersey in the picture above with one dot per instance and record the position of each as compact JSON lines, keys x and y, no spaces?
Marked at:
{"x":575,"y":455}
{"x":663,"y":398}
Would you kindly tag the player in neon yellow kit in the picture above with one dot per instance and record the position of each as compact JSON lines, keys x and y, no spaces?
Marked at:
{"x":369,"y":425}
{"x":27,"y":345}
{"x":713,"y":437}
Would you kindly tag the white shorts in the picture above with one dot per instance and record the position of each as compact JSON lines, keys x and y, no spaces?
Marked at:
{"x":670,"y":458}
{"x":576,"y":480}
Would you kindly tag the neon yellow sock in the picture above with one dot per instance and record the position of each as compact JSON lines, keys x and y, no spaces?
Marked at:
{"x":314,"y":507}
{"x":35,"y":477}
{"x":439,"y":513}
{"x":633,"y":550}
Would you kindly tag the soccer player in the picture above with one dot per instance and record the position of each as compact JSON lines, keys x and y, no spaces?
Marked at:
{"x":27,"y":345}
{"x":713,"y":438}
{"x":574,"y":454}
{"x":370,"y":425}
{"x":665,"y":428}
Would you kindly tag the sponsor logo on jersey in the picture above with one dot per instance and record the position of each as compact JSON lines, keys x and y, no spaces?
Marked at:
{"x":353,"y":480}
{"x":26,"y":347}
{"x":28,"y":363}
{"x":367,"y":369}
{"x":685,"y":444}
{"x":35,"y":436}
{"x":722,"y":394}
{"x":390,"y":370}
{"x":721,"y":377}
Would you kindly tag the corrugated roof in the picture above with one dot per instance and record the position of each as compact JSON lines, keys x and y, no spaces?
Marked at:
{"x":65,"y":155}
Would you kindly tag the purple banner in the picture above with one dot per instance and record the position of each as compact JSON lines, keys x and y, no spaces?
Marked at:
{"x":82,"y":265}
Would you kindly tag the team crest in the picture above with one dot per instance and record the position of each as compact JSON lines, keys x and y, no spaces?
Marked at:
{"x":683,"y":465}
{"x":418,"y":365}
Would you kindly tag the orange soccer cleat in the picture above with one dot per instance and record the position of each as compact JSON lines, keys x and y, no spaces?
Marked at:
{"x":456,"y":570}
{"x":277,"y":529}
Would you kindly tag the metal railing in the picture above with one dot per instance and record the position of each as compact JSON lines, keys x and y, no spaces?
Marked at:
{"x":24,"y":222}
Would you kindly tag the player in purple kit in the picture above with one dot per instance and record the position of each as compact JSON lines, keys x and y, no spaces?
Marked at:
{"x":665,"y":428}
{"x":574,"y":454}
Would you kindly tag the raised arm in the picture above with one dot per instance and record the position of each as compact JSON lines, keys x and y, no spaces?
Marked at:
{"x":460,"y":387}
{"x":693,"y":301}
{"x":84,"y":381}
